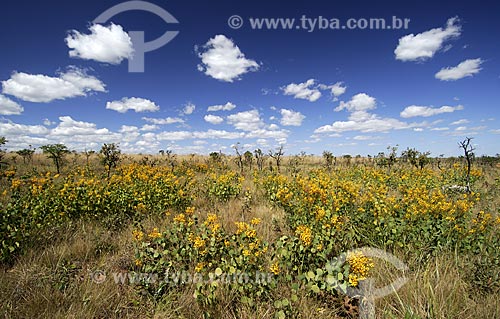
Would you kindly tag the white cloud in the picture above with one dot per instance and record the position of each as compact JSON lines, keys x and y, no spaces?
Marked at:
{"x":213,"y":119}
{"x":291,"y":118}
{"x":105,"y":44}
{"x":359,"y":102}
{"x":225,"y":107}
{"x":222,"y":60}
{"x":43,"y":88}
{"x":365,"y":137}
{"x":360,"y":119}
{"x":165,"y":121}
{"x":9,"y":107}
{"x":246,"y":121}
{"x":460,"y":122}
{"x":189,"y":108}
{"x":70,"y":127}
{"x":376,"y":124}
{"x":440,"y":129}
{"x":426,"y":111}
{"x":47,"y":122}
{"x":424,"y":45}
{"x":149,"y":127}
{"x":462,"y":70}
{"x":338,"y":89}
{"x":307,"y":90}
{"x":128,"y":129}
{"x":9,"y":129}
{"x":132,"y":103}
{"x":461,"y":128}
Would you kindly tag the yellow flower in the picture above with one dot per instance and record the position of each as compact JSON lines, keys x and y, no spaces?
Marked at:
{"x":181,"y":218}
{"x":275,"y":268}
{"x":305,"y":234}
{"x":359,"y":266}
{"x":199,"y":267}
{"x":189,"y":210}
{"x":246,"y":252}
{"x":138,"y":235}
{"x":198,"y":242}
{"x":15,"y":183}
{"x":255,"y":221}
{"x":154,"y":233}
{"x":138,"y":262}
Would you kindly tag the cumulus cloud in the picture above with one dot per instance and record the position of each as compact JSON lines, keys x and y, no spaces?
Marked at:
{"x":188,"y":108}
{"x":422,"y":46}
{"x":164,"y":121}
{"x":9,"y":107}
{"x":221,"y":59}
{"x":460,"y":122}
{"x":70,"y":127}
{"x":291,"y":118}
{"x":359,"y":102}
{"x":360,"y":119}
{"x":246,"y":121}
{"x":338,"y":89}
{"x":213,"y":119}
{"x":307,"y":90}
{"x":462,"y":70}
{"x":10,"y":129}
{"x":426,"y":111}
{"x":104,"y":44}
{"x":132,"y":103}
{"x":43,"y":88}
{"x":224,"y":107}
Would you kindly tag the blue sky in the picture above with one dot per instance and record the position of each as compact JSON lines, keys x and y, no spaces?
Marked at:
{"x":65,"y":79}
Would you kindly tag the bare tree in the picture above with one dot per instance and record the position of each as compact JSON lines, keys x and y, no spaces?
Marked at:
{"x":277,"y":156}
{"x":469,"y":155}
{"x":239,"y":157}
{"x":259,"y":158}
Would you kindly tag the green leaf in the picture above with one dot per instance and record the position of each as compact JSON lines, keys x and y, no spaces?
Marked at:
{"x":218,"y":271}
{"x":315,"y":288}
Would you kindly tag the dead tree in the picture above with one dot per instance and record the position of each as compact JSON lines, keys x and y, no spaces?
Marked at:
{"x":469,"y":154}
{"x":276,"y":155}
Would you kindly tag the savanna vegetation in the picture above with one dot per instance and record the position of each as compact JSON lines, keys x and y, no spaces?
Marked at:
{"x":254,"y":234}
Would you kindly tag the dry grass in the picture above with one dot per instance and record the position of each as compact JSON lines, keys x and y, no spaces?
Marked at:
{"x":53,"y":279}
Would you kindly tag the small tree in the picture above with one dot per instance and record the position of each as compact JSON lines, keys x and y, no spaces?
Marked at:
{"x":423,"y":159}
{"x":328,"y":157}
{"x":248,"y":159}
{"x":239,"y":157}
{"x":26,"y":154}
{"x":110,"y":156}
{"x":88,"y":154}
{"x":56,"y":152}
{"x":277,"y":156}
{"x":3,"y":141}
{"x":259,"y":158}
{"x":469,"y":155}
